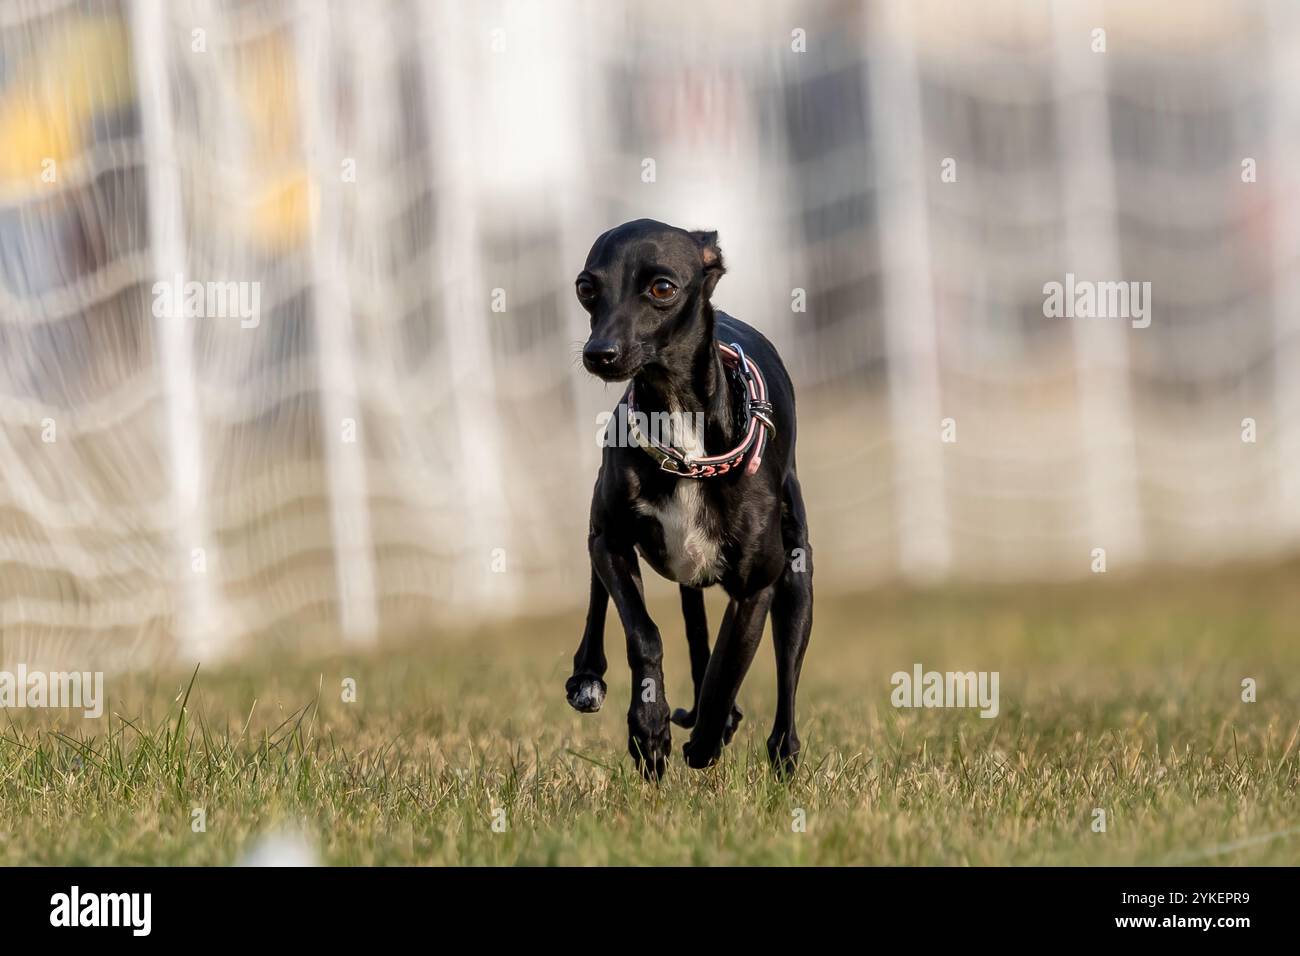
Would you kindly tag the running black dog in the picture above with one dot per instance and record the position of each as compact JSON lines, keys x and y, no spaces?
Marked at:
{"x":704,"y":488}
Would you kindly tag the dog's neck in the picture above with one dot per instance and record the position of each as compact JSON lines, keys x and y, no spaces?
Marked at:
{"x":690,"y":379}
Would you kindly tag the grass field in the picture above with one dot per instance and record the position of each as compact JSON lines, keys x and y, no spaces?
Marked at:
{"x":1124,"y":696}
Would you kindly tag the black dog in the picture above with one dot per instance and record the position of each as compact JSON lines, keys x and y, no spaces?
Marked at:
{"x":732,"y":515}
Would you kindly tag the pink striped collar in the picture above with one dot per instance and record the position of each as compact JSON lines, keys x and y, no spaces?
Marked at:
{"x":758,"y":420}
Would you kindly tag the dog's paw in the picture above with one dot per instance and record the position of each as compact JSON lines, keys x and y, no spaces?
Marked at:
{"x":705,"y":748}
{"x":649,"y":740}
{"x":585,"y":692}
{"x":783,"y":753}
{"x":700,"y":754}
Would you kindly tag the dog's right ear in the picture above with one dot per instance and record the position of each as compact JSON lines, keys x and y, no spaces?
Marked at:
{"x":711,"y":256}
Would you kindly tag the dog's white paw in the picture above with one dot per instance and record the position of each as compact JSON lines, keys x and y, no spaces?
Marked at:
{"x":586,"y":694}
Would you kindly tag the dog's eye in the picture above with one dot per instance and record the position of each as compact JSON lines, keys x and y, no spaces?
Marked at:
{"x":663,"y":290}
{"x":586,"y":291}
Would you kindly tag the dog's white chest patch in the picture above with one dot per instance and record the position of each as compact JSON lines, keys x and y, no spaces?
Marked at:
{"x":692,"y":554}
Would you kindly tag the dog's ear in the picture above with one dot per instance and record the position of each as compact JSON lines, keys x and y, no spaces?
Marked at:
{"x":711,"y":256}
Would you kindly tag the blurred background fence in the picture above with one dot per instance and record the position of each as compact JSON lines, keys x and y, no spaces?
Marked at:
{"x":412,"y":186}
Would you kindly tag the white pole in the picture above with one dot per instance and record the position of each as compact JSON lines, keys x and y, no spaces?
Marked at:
{"x":925,"y":548}
{"x":332,"y":300}
{"x":1280,"y":180}
{"x":455,"y":121}
{"x":199,"y":634}
{"x":1101,"y":354}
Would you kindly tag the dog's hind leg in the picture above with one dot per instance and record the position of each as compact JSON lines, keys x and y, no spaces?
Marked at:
{"x":728,"y":665}
{"x":697,"y":639}
{"x":791,"y":626}
{"x":586,"y":688}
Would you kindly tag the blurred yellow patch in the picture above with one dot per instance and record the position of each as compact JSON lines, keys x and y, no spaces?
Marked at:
{"x":283,"y":213}
{"x":284,"y":208}
{"x":86,"y":66}
{"x":83,"y":68}
{"x":31,"y":136}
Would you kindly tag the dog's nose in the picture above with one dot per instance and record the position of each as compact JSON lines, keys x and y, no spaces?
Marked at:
{"x":599,"y":355}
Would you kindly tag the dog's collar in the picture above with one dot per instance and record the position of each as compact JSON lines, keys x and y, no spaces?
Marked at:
{"x":756,"y":422}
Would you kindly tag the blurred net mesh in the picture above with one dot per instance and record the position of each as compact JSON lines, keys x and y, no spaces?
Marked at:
{"x":405,"y":439}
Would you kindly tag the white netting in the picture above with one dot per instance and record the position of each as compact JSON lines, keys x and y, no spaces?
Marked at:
{"x":405,"y":438}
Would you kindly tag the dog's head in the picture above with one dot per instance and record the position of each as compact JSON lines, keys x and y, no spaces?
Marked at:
{"x":647,"y":287}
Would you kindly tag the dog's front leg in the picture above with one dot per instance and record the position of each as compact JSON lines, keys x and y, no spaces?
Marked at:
{"x":649,"y":739}
{"x":585,"y":690}
{"x":727,"y":668}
